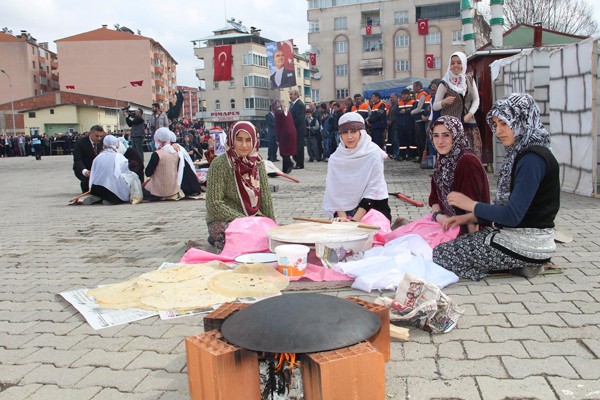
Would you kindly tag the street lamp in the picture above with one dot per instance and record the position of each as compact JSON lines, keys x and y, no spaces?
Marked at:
{"x":117,"y":107}
{"x":12,"y":104}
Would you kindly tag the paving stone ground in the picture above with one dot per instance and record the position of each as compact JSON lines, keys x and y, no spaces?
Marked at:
{"x":520,"y":338}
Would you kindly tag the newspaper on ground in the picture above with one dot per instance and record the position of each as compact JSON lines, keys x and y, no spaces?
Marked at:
{"x":423,"y":305}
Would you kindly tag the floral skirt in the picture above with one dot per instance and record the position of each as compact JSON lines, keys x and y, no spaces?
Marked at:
{"x":216,"y":230}
{"x":470,"y":256}
{"x":474,"y":137}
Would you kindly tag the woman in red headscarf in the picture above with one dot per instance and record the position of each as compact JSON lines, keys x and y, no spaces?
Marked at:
{"x":237,"y":183}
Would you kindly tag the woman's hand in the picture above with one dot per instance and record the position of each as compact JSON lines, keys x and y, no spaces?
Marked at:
{"x":461,"y":201}
{"x":458,"y":220}
{"x":341,"y":219}
{"x":448,"y":100}
{"x":468,"y":117}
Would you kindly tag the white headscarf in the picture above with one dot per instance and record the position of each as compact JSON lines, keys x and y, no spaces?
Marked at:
{"x":123,"y":145}
{"x":458,"y":83}
{"x":354,"y":174}
{"x":108,"y":167}
{"x":110,"y":142}
{"x":162,"y":140}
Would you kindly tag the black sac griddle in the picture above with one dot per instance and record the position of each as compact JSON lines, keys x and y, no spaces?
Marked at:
{"x":300,"y":323}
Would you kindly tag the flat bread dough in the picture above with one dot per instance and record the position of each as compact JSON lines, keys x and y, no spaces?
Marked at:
{"x":249,"y":280}
{"x":179,"y":273}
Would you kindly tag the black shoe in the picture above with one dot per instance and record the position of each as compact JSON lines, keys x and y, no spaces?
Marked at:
{"x":288,"y":170}
{"x":299,"y":167}
{"x":417,"y":160}
{"x":211,"y":241}
{"x":527,"y":272}
{"x":310,"y":160}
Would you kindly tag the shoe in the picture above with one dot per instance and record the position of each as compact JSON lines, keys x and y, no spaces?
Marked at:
{"x":299,"y":167}
{"x":108,"y":203}
{"x":91,"y":199}
{"x":211,"y":241}
{"x":527,"y":272}
{"x":417,"y":160}
{"x":288,"y":170}
{"x":310,"y":160}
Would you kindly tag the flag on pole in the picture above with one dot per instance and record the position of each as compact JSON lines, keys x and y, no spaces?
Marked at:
{"x":369,"y":29}
{"x":222,"y":61}
{"x":423,"y":25}
{"x":136,"y":83}
{"x":313,"y":59}
{"x":429,"y":61}
{"x":71,"y":87}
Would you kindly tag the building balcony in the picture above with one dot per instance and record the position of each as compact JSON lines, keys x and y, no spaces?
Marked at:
{"x":159,"y":69}
{"x":54,"y":64}
{"x":158,"y":82}
{"x":159,"y":97}
{"x":42,"y":72}
{"x":375,"y":30}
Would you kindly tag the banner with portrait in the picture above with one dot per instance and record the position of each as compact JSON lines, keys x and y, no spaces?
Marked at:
{"x":282,"y":72}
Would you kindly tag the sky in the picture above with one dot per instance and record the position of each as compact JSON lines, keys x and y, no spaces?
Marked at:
{"x":175,"y":27}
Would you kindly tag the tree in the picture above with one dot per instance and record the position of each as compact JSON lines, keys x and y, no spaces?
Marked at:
{"x":569,"y":16}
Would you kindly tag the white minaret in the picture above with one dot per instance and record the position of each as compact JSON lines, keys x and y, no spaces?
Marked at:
{"x":466,"y":14}
{"x":497,"y":22}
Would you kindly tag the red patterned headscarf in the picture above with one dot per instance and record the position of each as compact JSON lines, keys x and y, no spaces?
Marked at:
{"x":245,"y":169}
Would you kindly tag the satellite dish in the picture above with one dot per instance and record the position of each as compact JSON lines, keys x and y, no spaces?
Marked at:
{"x":317,"y":76}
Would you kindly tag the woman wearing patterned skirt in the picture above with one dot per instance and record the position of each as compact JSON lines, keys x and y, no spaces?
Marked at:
{"x":527,"y":201}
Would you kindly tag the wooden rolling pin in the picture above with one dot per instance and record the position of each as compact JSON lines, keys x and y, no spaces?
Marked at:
{"x":326,"y":221}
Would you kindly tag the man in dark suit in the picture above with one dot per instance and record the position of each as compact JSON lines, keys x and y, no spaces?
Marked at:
{"x":271,"y":136}
{"x":282,"y":77}
{"x":86,"y":149}
{"x":298,"y":110}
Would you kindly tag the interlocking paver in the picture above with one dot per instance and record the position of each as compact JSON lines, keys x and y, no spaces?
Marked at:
{"x":509,"y":320}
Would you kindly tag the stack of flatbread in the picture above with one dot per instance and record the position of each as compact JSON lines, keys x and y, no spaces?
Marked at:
{"x":190,"y":286}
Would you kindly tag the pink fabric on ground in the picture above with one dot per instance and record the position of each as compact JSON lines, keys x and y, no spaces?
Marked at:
{"x":317,"y":273}
{"x":374,"y":217}
{"x":429,"y":230}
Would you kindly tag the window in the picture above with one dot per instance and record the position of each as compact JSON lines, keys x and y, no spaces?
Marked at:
{"x":217,"y":104}
{"x":43,"y":80}
{"x":299,"y":72}
{"x":438,"y":11}
{"x":341,"y":46}
{"x":33,"y":62}
{"x":341,"y":93}
{"x":341,"y":70}
{"x":313,"y":26}
{"x":433,"y":38}
{"x":32,"y":114}
{"x":254,"y":59}
{"x":232,"y":104}
{"x":401,"y":18}
{"x":340,"y":23}
{"x":371,"y":71}
{"x":315,"y":95}
{"x":34,"y":79}
{"x":372,"y":43}
{"x":457,"y":37}
{"x":259,"y":81}
{"x":215,"y":85}
{"x":232,"y":83}
{"x":52,"y":111}
{"x":402,"y":41}
{"x":402,"y":65}
{"x":257,"y":103}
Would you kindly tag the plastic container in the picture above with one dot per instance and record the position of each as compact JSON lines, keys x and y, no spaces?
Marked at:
{"x":291,"y":259}
{"x":269,"y":259}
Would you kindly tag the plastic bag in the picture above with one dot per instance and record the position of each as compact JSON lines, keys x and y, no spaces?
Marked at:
{"x":135,"y":187}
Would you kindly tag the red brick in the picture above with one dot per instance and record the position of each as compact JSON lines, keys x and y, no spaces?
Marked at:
{"x":220,"y":371}
{"x":380,"y":340}
{"x":215,"y":319}
{"x":352,"y":373}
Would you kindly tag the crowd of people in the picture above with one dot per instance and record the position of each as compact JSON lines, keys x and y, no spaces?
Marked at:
{"x":513,"y":233}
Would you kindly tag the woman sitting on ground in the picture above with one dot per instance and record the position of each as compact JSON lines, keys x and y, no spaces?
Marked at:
{"x":237,"y":183}
{"x":106,"y":176}
{"x":355,"y":182}
{"x":162,"y":169}
{"x":457,"y":169}
{"x":527,"y":201}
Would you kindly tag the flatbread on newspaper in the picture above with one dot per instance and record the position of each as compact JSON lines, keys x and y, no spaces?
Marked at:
{"x":185,"y":295}
{"x":118,"y":295}
{"x":255,"y":280}
{"x":179,"y":273}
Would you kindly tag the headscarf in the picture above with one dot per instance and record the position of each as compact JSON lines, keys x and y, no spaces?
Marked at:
{"x":445,"y":166}
{"x":245,"y":169}
{"x":110,"y":143}
{"x":522,"y":114}
{"x":123,"y":145}
{"x":458,"y":83}
{"x":162,"y":140}
{"x":354,"y":174}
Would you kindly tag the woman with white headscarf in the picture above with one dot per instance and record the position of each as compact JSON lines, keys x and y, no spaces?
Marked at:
{"x":457,"y":96}
{"x":527,"y":201}
{"x":163,"y":169}
{"x":355,"y":182}
{"x":237,"y":183}
{"x":107,"y":174}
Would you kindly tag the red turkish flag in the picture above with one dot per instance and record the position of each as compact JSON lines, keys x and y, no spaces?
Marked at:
{"x":423,"y":25}
{"x":429,"y":61}
{"x":369,"y":29}
{"x":222,"y":60}
{"x":72,"y":87}
{"x":313,"y":59}
{"x":136,"y":83}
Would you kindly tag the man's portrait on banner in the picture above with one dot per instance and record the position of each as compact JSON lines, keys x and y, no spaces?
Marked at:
{"x":281,"y":64}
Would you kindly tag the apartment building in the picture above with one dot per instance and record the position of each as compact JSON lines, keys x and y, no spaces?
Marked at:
{"x":31,"y":66}
{"x":189,"y":109}
{"x":247,"y":96}
{"x":357,"y":42}
{"x":119,"y":64}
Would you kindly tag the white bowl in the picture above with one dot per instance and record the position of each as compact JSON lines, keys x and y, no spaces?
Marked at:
{"x":269,"y":259}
